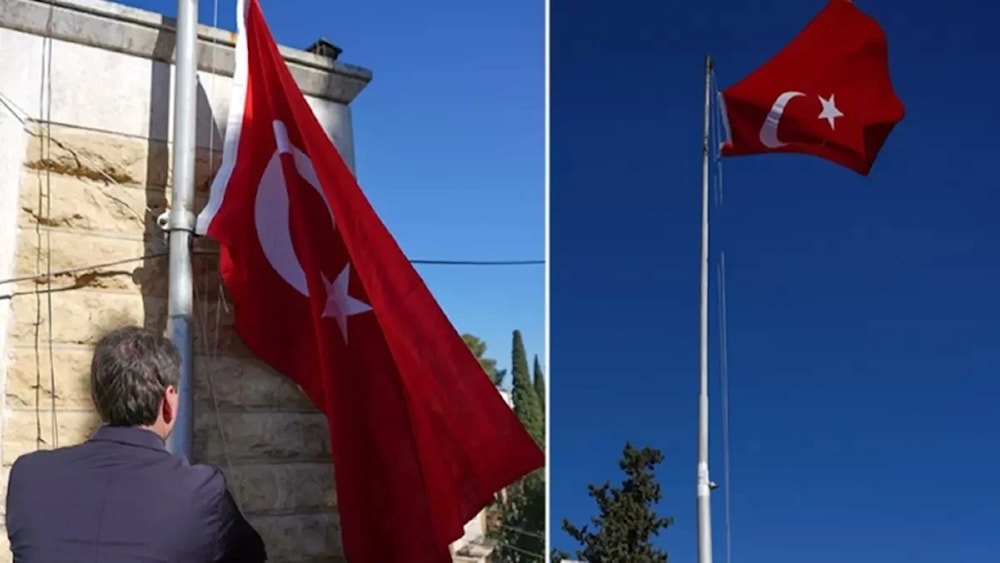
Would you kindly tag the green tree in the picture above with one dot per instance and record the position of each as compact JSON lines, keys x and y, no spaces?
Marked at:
{"x":627,"y":520}
{"x":526,"y":404}
{"x":521,"y":532}
{"x":478,"y":348}
{"x":540,"y":384}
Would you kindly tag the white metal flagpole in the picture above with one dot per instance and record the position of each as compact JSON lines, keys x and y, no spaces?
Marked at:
{"x":181,"y":219}
{"x":704,"y":485}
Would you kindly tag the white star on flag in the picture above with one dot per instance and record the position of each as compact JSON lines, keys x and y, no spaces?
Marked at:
{"x":830,"y":111}
{"x":339,"y":304}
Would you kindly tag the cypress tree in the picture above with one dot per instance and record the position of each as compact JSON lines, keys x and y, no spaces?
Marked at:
{"x":526,"y":404}
{"x":540,"y":384}
{"x":521,"y":534}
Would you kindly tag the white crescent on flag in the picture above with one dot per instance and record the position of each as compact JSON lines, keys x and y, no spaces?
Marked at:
{"x":769,"y":130}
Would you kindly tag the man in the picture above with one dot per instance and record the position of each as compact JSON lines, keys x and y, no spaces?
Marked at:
{"x":121,"y":497}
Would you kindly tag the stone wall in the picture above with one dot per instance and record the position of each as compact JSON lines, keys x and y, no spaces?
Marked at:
{"x":85,"y":119}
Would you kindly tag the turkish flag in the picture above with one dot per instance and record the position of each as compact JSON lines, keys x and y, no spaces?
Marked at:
{"x":421,"y":438}
{"x":827,"y":93}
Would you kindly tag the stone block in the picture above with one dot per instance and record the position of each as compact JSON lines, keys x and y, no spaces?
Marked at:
{"x":300,"y":537}
{"x":28,"y":430}
{"x":237,"y":437}
{"x":242,"y":384}
{"x":55,"y":200}
{"x":283,"y":489}
{"x":215,"y":331}
{"x":138,"y":266}
{"x":5,"y":555}
{"x":59,"y":251}
{"x":4,"y":479}
{"x":85,"y":153}
{"x":81,"y":317}
{"x":29,"y":378}
{"x":112,"y":158}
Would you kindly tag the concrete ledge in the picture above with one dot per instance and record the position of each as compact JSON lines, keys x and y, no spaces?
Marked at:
{"x":149,"y":35}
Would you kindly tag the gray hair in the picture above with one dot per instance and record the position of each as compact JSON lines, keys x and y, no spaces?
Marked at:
{"x":129,"y":375}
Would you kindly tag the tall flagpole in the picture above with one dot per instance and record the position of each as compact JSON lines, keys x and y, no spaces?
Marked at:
{"x":181,"y":219}
{"x":704,"y":486}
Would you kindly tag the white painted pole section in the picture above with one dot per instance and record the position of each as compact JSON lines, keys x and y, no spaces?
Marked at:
{"x":181,"y":220}
{"x":704,"y":485}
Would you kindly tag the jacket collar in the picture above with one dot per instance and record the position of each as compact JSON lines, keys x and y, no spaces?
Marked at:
{"x":129,"y":435}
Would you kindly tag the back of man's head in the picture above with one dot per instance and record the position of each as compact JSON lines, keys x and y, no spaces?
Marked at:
{"x":133,"y":379}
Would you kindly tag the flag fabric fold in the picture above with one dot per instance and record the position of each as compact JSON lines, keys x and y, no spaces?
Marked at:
{"x":421,"y":439}
{"x":827,"y":93}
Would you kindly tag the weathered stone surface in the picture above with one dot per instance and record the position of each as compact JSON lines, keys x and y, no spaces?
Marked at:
{"x":135,"y":266}
{"x":80,"y":317}
{"x":29,"y":378}
{"x":302,"y":537}
{"x":242,"y":384}
{"x":56,"y":200}
{"x":260,"y":436}
{"x":59,"y":251}
{"x":282,"y":489}
{"x":90,"y":154}
{"x":28,"y":430}
{"x":5,"y":555}
{"x":215,"y":332}
{"x":4,"y":479}
{"x":116,"y":159}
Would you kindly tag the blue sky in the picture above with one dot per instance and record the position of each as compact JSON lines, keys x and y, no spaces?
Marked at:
{"x":863,"y":332}
{"x":449,"y":140}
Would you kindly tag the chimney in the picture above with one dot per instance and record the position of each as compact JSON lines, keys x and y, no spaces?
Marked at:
{"x":324,"y":48}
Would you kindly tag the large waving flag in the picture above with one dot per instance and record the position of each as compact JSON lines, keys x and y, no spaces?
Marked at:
{"x":827,"y":93}
{"x":421,"y":438}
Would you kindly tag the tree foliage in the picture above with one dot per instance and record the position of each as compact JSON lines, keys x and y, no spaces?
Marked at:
{"x":627,"y":521}
{"x":478,"y":348}
{"x":520,"y":536}
{"x":539,"y":379}
{"x":526,"y":404}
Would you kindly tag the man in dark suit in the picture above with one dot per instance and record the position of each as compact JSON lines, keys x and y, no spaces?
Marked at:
{"x":121,"y":497}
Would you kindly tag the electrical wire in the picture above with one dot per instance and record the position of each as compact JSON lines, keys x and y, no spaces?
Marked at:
{"x":43,"y":243}
{"x":45,"y":278}
{"x":535,"y":535}
{"x":724,"y":376}
{"x":210,"y":349}
{"x":717,"y":120}
{"x":520,"y":550}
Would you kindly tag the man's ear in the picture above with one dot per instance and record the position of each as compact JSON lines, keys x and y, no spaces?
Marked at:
{"x":169,"y":406}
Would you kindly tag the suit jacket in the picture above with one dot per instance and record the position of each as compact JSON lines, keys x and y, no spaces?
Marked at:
{"x":122,"y":498}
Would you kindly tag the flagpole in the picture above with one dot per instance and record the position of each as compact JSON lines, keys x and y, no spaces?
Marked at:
{"x":704,"y":485}
{"x":182,"y":220}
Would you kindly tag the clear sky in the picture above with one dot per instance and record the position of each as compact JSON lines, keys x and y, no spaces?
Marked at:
{"x":449,"y":140}
{"x":863,"y":336}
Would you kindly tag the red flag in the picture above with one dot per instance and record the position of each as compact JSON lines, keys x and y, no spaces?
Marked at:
{"x":421,"y":438}
{"x":827,"y":93}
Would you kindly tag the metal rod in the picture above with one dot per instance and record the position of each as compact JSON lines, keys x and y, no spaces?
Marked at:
{"x":704,"y":485}
{"x":181,"y":220}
